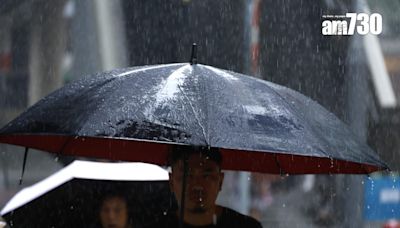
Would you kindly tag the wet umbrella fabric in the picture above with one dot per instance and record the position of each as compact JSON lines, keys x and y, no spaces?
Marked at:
{"x":137,"y":114}
{"x":70,"y":197}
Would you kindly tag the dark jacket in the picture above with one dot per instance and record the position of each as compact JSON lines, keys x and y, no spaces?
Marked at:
{"x":228,"y":218}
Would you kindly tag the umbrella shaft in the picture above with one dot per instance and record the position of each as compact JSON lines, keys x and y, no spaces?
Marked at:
{"x":184,"y":180}
{"x":23,"y":165}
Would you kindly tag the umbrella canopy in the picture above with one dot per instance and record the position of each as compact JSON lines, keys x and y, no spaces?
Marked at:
{"x":70,"y":197}
{"x":137,"y":114}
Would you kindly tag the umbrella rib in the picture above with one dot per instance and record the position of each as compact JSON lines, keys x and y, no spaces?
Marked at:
{"x":195,"y":116}
{"x":144,"y":69}
{"x":192,"y":108}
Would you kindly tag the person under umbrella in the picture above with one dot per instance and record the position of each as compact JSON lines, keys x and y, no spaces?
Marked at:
{"x":114,"y":212}
{"x":93,"y":194}
{"x":204,"y":181}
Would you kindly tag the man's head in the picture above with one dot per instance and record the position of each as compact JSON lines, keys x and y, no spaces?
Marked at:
{"x":114,"y":212}
{"x":204,"y":178}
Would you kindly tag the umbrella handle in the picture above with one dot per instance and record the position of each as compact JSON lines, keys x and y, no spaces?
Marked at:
{"x":24,"y":164}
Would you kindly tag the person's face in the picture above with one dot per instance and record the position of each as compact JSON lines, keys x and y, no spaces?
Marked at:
{"x":114,"y":213}
{"x":203,"y":183}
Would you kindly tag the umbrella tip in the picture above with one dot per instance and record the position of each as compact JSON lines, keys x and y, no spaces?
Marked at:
{"x":193,"y":58}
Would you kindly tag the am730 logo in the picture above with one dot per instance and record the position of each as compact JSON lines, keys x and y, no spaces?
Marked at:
{"x":352,"y":22}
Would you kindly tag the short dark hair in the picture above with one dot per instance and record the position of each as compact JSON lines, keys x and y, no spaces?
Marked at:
{"x":113,"y":195}
{"x":178,"y":153}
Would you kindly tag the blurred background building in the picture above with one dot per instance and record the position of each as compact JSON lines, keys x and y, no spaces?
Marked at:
{"x":45,"y":44}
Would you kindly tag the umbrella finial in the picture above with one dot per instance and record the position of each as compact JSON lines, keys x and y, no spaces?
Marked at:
{"x":193,"y":58}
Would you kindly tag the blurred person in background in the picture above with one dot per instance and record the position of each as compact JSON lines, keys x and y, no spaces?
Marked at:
{"x":114,"y":212}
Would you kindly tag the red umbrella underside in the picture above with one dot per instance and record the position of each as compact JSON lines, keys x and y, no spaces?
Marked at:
{"x":157,"y":152}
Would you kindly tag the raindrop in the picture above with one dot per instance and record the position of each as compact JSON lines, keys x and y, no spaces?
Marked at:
{"x":368,"y":207}
{"x":165,"y":131}
{"x":164,"y":213}
{"x":362,"y":182}
{"x":72,"y":207}
{"x":283,"y":205}
{"x":56,"y":159}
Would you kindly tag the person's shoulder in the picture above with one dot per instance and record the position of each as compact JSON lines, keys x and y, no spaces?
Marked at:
{"x":237,"y":219}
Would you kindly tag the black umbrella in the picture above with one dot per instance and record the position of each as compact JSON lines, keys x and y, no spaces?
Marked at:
{"x":137,"y":114}
{"x":72,"y":196}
